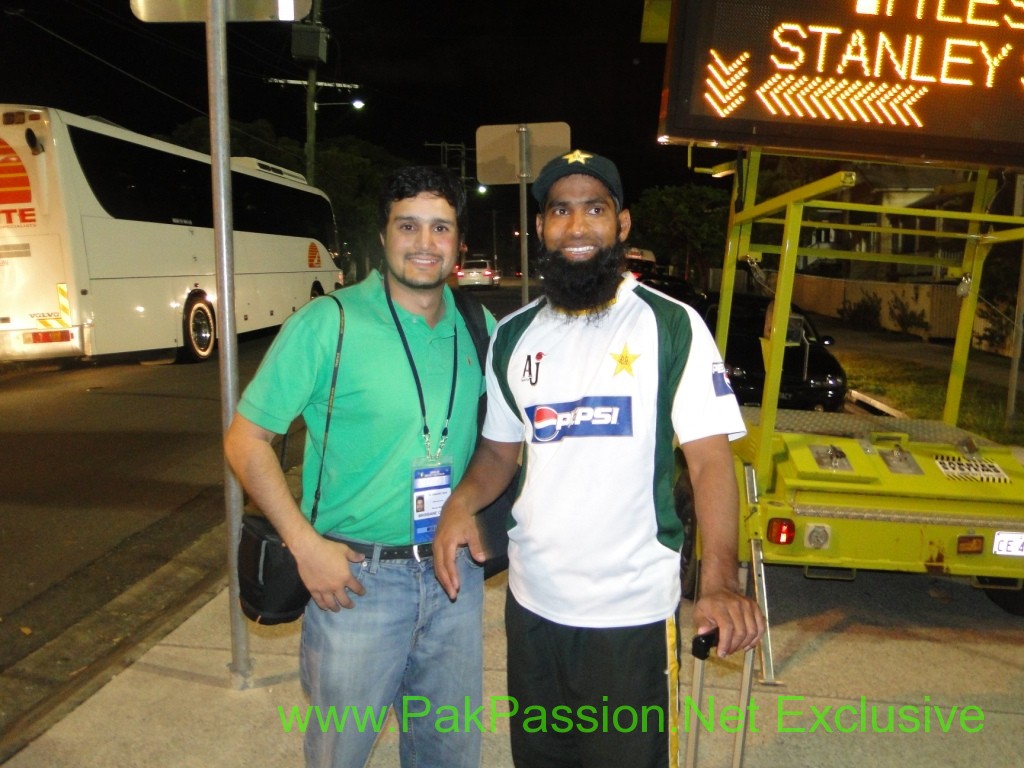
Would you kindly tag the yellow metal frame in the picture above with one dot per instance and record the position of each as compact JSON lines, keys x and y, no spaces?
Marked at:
{"x":788,"y":211}
{"x":880,"y":519}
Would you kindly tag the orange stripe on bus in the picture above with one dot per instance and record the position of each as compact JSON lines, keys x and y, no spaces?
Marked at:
{"x":14,"y":181}
{"x":8,"y":197}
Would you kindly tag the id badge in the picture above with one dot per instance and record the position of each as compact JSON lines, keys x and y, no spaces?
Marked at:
{"x":431,"y":487}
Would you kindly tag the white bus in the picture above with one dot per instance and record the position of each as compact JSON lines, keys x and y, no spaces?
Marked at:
{"x":107,"y":242}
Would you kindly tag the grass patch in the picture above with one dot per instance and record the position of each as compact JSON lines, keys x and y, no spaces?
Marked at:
{"x":920,"y":392}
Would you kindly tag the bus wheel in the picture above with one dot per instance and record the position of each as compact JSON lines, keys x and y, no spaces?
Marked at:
{"x":200,"y":331}
{"x":316,"y":290}
{"x":1010,"y":600}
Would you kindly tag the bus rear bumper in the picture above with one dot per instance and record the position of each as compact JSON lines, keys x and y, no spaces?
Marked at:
{"x":40,"y":344}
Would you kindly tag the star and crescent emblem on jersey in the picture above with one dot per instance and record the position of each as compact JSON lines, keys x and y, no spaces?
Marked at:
{"x":577,"y":157}
{"x":623,"y":360}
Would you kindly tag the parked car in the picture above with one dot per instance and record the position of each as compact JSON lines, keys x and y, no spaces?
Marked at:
{"x":812,"y":378}
{"x":476,"y":273}
{"x":650,"y":274}
{"x":643,"y":254}
{"x":643,"y":267}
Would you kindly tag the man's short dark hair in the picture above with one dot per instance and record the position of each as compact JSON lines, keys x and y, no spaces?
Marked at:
{"x":412,"y":180}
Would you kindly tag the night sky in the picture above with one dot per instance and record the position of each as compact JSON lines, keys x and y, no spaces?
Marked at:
{"x":430,"y":73}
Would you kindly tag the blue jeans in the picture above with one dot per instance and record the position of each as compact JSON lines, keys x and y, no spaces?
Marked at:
{"x":405,"y":645}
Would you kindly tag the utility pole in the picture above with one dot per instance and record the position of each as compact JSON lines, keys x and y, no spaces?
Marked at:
{"x":311,"y":110}
{"x":309,"y":45}
{"x":311,"y":106}
{"x":311,"y":95}
{"x":494,"y":235}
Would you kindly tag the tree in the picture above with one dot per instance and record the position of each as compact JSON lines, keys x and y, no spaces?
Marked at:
{"x":780,"y":174}
{"x":257,"y":139}
{"x":685,"y":226}
{"x":351,"y":171}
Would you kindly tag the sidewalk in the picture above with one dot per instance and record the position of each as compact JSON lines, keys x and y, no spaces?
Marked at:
{"x":937,"y":652}
{"x":175,"y":706}
{"x":884,"y":643}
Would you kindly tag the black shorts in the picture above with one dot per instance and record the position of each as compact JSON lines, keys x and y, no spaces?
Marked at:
{"x":591,"y":698}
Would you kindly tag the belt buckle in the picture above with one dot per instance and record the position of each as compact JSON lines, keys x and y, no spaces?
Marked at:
{"x":416,"y":553}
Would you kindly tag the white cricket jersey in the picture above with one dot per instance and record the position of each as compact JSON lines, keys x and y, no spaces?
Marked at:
{"x":598,"y":401}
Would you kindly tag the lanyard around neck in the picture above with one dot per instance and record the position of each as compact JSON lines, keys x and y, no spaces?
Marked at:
{"x":416,"y":376}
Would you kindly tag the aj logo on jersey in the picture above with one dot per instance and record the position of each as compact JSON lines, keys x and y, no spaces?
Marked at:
{"x":531,"y":369}
{"x":587,"y":417}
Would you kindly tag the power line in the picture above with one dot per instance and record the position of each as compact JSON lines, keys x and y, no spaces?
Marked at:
{"x":21,"y":15}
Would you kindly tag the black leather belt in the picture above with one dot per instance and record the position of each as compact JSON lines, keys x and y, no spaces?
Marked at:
{"x":408,"y":552}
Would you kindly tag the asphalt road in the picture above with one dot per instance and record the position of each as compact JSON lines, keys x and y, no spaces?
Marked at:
{"x":111,"y":471}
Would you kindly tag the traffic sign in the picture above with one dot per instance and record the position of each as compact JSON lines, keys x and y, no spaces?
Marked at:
{"x":911,"y":80}
{"x":236,"y":10}
{"x":515,"y":154}
{"x":500,"y":157}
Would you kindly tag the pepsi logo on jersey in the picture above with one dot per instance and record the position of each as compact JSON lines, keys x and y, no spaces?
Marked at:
{"x":587,"y":417}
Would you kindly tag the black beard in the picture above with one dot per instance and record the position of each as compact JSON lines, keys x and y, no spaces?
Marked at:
{"x":583,"y":286}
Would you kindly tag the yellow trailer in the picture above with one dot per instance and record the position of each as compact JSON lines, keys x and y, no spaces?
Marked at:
{"x":838,"y":492}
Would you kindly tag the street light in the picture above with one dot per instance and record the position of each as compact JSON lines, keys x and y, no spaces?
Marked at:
{"x":312,"y":87}
{"x":355,"y":104}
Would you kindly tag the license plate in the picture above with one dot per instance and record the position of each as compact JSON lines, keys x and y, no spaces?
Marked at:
{"x":1010,"y":543}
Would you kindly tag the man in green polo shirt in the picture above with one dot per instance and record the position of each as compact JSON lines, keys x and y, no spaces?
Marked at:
{"x":379,"y":630}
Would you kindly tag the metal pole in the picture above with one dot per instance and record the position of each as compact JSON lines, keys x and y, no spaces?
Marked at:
{"x":524,"y":174}
{"x":494,"y":235}
{"x":220,"y":165}
{"x":1018,"y":331}
{"x":311,"y":108}
{"x":311,"y":126}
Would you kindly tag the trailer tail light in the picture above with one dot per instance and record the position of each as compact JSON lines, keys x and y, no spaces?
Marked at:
{"x":46,"y":337}
{"x":970,"y":545}
{"x":781,"y":530}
